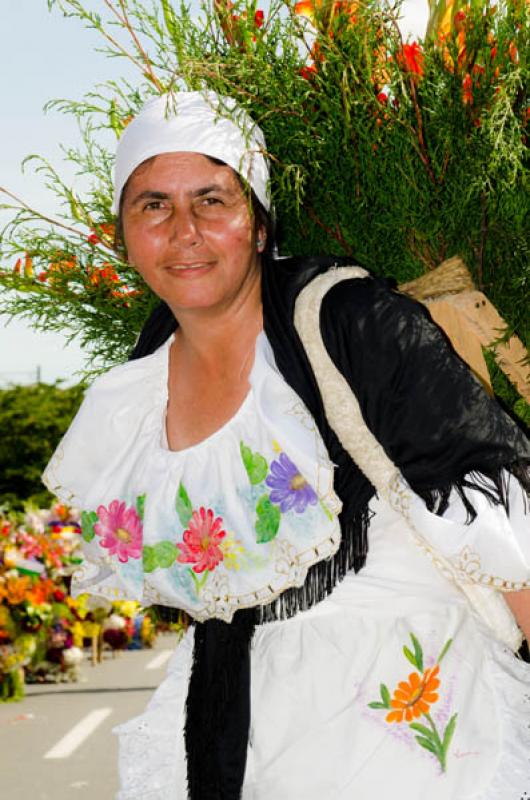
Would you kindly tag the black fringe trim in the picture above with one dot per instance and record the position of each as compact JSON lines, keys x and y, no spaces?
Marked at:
{"x":218,"y":708}
{"x":493,"y":484}
{"x":322,"y":578}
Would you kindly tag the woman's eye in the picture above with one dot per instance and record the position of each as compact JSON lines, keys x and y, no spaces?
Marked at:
{"x":211,"y":201}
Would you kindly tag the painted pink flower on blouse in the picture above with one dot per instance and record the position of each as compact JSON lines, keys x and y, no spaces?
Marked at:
{"x":120,"y":529}
{"x":201,"y":541}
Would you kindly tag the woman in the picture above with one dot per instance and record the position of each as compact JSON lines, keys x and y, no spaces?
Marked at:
{"x":348,"y":642}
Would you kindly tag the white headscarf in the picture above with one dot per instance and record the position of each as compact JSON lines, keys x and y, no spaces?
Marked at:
{"x":194,"y":122}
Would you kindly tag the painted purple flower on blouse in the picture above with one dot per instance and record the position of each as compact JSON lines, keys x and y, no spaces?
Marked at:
{"x":290,"y":490}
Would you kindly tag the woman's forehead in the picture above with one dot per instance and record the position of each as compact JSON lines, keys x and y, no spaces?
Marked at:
{"x":185,"y":171}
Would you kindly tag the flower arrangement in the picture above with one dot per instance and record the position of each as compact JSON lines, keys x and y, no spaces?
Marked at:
{"x":397,"y":154}
{"x":42,"y":628}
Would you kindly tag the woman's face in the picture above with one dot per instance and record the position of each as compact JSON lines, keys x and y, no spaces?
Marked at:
{"x":189,"y":231}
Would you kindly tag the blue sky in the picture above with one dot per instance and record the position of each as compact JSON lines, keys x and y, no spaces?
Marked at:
{"x":44,"y":56}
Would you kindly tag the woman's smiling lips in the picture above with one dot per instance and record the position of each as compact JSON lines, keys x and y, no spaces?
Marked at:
{"x":183,"y":270}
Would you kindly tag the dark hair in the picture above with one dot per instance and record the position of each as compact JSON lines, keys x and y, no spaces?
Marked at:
{"x":262,"y":218}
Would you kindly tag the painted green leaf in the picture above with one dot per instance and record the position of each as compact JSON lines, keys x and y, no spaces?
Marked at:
{"x":140,"y":506}
{"x":183,"y":506}
{"x":385,"y":695}
{"x":149,"y":558}
{"x":445,"y":648}
{"x":165,"y":553}
{"x":88,"y":520}
{"x":421,"y":729}
{"x":449,"y":731}
{"x":254,"y":463}
{"x":268,"y":520}
{"x":409,"y":655}
{"x":376,"y":704}
{"x":427,"y":744}
{"x":418,"y":652}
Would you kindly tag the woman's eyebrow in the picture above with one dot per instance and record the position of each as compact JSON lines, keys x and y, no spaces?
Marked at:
{"x":213,"y":187}
{"x":150,"y":194}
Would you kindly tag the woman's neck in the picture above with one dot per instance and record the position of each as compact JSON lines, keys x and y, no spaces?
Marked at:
{"x":221,"y":340}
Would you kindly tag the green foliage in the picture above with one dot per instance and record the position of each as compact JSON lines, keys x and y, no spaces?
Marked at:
{"x":397,"y":158}
{"x":507,"y":393}
{"x":32,"y":421}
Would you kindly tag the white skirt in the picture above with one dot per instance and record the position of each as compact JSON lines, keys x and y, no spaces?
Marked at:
{"x":391,"y":687}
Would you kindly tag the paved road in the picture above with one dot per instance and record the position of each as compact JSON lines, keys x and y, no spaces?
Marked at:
{"x":57,"y":744}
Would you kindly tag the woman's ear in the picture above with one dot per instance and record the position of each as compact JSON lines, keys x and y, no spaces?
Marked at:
{"x":261,"y":238}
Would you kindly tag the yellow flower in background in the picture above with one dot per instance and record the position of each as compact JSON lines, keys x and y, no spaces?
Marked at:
{"x":127,"y":608}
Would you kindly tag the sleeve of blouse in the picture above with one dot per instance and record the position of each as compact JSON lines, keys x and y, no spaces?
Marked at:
{"x":493,"y":549}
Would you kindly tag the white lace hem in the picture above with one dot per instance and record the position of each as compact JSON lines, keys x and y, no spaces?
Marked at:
{"x":152,"y":761}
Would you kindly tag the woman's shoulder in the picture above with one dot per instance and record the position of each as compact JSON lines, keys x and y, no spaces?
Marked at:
{"x":136,"y":376}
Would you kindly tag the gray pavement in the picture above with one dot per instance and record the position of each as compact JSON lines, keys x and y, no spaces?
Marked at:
{"x":106,"y":695}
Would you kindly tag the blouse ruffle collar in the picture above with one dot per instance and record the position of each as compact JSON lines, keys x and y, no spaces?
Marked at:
{"x":229,"y":523}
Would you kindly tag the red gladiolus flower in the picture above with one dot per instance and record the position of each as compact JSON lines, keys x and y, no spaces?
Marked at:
{"x":308,"y":72}
{"x":467,"y":90}
{"x":58,"y":595}
{"x":259,"y":18}
{"x":411,"y":58}
{"x":459,"y":20}
{"x":383,"y":98}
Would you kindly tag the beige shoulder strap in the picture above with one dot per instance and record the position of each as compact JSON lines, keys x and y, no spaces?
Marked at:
{"x":344,"y":415}
{"x":342,"y":408}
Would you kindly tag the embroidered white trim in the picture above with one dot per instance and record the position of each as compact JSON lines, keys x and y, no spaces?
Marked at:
{"x":345,"y":417}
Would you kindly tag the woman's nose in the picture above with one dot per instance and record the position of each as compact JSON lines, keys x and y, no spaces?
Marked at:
{"x":184,"y":227}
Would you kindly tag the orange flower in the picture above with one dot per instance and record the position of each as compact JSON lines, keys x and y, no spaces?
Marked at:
{"x":41,"y":591}
{"x":311,"y":9}
{"x":414,"y":697}
{"x":307,"y":8}
{"x":28,"y":266}
{"x":512,"y":52}
{"x":102,"y":234}
{"x":104,"y":273}
{"x":15,"y":589}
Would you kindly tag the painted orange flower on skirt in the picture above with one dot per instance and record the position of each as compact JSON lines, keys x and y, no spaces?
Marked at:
{"x":414,"y":697}
{"x":412,"y":701}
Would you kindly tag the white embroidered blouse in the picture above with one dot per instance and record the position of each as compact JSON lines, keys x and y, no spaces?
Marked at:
{"x":228,"y":523}
{"x":237,"y":519}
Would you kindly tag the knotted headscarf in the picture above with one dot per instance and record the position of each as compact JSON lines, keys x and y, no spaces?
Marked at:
{"x":194,"y":122}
